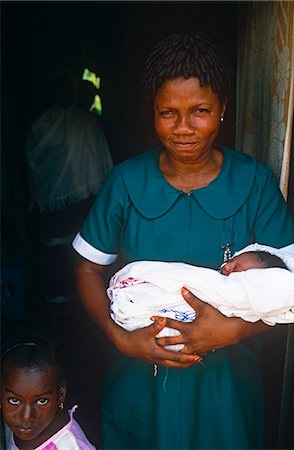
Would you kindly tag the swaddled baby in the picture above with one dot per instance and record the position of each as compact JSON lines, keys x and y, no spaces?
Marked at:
{"x":145,"y":288}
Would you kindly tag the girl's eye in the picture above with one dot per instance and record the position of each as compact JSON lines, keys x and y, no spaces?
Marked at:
{"x":42,"y":401}
{"x":14,"y":401}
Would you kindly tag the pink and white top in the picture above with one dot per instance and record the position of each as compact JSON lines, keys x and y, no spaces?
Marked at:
{"x":70,"y":437}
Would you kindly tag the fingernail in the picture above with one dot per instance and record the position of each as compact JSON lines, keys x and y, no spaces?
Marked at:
{"x":157,"y":319}
{"x":185,"y":290}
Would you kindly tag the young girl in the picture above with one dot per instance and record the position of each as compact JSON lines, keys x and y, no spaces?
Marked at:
{"x":33,"y":391}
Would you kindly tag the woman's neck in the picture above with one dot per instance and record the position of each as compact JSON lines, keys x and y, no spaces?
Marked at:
{"x":189,"y":175}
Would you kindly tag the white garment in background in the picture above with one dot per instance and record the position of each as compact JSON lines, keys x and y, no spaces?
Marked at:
{"x":145,"y":288}
{"x":67,"y":158}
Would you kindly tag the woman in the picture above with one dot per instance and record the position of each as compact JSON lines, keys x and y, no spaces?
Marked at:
{"x":192,"y":202}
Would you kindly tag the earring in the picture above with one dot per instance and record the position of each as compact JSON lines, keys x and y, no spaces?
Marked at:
{"x":61,"y":405}
{"x":222,"y":119}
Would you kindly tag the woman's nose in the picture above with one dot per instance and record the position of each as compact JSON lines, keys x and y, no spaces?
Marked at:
{"x":184,"y":125}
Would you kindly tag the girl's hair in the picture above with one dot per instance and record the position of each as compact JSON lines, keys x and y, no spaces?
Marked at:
{"x":187,"y":55}
{"x":32,"y":351}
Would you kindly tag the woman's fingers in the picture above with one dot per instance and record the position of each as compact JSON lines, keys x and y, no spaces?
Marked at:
{"x":142,"y":344}
{"x":178,"y":360}
{"x":193,"y":301}
{"x":157,"y":326}
{"x":176,"y":365}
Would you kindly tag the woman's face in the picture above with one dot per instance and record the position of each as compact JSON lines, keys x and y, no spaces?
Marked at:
{"x":187,"y":118}
{"x":29,"y":400}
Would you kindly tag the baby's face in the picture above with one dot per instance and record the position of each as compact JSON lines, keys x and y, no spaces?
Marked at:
{"x":29,"y":400}
{"x":240,"y":263}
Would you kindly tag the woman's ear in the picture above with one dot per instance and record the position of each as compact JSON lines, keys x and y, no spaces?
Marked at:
{"x":224,"y":106}
{"x":62,"y":392}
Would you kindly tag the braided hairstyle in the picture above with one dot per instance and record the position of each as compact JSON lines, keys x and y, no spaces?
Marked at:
{"x":187,"y":55}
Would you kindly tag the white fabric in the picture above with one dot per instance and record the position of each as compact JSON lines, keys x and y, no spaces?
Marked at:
{"x":92,"y":254}
{"x":67,"y":158}
{"x":145,"y":288}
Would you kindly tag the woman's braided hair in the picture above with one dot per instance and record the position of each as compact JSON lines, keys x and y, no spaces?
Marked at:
{"x":192,"y":54}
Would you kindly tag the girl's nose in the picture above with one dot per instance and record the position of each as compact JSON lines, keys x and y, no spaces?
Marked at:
{"x":28,"y":413}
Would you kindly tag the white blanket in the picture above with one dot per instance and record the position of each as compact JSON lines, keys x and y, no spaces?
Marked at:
{"x":145,"y":288}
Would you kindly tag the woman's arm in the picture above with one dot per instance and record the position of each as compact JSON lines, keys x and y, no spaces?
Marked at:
{"x":140,"y":343}
{"x":210,"y":330}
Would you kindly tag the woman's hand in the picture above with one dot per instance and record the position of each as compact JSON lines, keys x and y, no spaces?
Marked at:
{"x":142,"y":344}
{"x":210,"y":329}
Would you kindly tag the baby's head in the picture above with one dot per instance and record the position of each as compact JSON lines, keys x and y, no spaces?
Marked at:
{"x":252,"y":260}
{"x":33,"y":387}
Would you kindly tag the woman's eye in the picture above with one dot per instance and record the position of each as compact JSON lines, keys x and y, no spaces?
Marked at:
{"x":42,"y":401}
{"x":166,"y":113}
{"x":14,"y":401}
{"x":202,"y":111}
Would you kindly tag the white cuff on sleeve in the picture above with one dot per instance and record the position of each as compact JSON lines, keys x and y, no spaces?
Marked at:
{"x":91,"y":253}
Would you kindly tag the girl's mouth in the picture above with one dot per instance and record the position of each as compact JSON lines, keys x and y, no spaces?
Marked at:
{"x":25,"y":430}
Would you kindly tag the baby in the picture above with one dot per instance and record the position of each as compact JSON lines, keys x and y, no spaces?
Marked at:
{"x":143,"y":289}
{"x":33,"y":391}
{"x":252,"y":260}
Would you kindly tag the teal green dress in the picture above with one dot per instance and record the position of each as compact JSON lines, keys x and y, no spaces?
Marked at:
{"x":140,"y":216}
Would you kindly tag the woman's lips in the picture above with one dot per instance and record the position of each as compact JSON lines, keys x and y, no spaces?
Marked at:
{"x":184,"y":145}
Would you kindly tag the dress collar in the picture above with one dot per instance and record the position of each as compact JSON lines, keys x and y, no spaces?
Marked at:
{"x":153,"y":196}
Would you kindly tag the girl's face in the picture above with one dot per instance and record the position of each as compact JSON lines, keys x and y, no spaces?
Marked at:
{"x":187,"y":117}
{"x":29,"y":400}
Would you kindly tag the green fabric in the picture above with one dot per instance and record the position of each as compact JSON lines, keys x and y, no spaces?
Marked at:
{"x":217,"y":405}
{"x":138,"y":215}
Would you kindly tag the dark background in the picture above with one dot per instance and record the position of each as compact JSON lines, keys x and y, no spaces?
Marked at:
{"x":112,"y":39}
